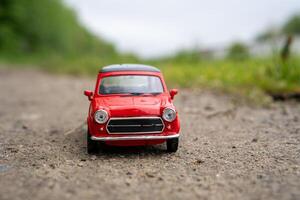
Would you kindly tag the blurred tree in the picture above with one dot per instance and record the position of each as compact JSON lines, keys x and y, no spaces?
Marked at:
{"x":292,"y":26}
{"x":285,"y":51}
{"x":268,"y":35}
{"x":237,"y":51}
{"x":37,"y":26}
{"x":186,"y":56}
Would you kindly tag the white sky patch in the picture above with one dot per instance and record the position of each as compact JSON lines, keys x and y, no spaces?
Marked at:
{"x":158,"y":27}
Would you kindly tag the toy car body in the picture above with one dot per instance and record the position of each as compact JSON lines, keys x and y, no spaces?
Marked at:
{"x":131,"y":106}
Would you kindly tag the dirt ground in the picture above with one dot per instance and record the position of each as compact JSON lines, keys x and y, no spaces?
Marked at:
{"x":228,"y":149}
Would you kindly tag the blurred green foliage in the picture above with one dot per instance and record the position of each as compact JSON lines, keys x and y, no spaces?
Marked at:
{"x":268,"y":35}
{"x":238,"y":51}
{"x":48,"y":28}
{"x":185,"y":56}
{"x":267,"y":75}
{"x":46,"y":34}
{"x":252,"y":77}
{"x":292,"y":26}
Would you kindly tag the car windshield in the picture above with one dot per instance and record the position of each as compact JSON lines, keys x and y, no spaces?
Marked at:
{"x":131,"y":84}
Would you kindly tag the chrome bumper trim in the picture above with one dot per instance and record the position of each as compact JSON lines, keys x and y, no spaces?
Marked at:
{"x":140,"y":137}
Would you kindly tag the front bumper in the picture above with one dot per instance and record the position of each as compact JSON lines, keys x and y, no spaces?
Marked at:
{"x":135,"y":137}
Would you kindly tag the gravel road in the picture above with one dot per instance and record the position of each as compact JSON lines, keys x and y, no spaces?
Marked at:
{"x":228,"y":149}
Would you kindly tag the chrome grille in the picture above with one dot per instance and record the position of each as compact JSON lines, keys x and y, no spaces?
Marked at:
{"x":135,"y":125}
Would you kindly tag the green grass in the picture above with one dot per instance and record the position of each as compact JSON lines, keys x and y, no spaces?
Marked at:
{"x":248,"y":77}
{"x":268,"y":75}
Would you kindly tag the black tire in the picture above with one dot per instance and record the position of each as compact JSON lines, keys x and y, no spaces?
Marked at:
{"x":92,"y":146}
{"x":172,"y":144}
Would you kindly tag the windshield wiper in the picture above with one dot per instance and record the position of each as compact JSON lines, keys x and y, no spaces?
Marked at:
{"x":136,"y":93}
{"x":140,"y":94}
{"x":145,"y":94}
{"x":155,"y":93}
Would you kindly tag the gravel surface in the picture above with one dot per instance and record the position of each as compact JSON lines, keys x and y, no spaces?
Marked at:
{"x":228,"y":149}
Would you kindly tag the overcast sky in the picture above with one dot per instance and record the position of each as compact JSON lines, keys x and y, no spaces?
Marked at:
{"x":159,"y":27}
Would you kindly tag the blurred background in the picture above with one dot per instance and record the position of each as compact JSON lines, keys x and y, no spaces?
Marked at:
{"x":246,"y":47}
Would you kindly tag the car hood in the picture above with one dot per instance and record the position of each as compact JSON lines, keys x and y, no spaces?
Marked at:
{"x":121,"y":106}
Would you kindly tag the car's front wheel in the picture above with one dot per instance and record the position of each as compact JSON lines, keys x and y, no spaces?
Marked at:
{"x":172,"y":144}
{"x":92,"y":146}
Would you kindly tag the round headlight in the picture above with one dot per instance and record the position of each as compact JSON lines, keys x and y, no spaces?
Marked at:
{"x":169,"y":114}
{"x":101,"y":116}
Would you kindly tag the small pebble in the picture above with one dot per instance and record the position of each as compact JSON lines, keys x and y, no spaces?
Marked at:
{"x":150,"y":175}
{"x":128,"y":173}
{"x":254,"y":140}
{"x":93,"y":157}
{"x":80,"y":164}
{"x":199,"y":161}
{"x":52,"y":166}
{"x":24,"y":127}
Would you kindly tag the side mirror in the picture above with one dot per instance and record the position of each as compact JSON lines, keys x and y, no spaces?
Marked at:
{"x":89,"y":94}
{"x":173,"y":92}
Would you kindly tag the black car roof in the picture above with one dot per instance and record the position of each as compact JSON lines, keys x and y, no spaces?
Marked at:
{"x":129,"y":67}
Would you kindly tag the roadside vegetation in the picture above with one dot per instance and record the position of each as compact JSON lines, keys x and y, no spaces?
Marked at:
{"x":249,"y":77}
{"x":47,"y":35}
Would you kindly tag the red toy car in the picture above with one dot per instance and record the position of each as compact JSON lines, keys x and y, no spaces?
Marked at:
{"x":131,"y":106}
